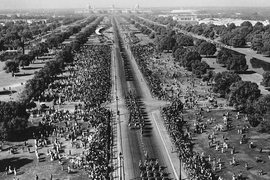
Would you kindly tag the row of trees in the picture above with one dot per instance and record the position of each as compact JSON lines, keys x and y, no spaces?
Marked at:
{"x":22,"y":60}
{"x":184,"y":49}
{"x":47,"y":74}
{"x":142,"y":28}
{"x":232,"y":60}
{"x":244,"y":96}
{"x":191,"y":60}
{"x":82,"y":37}
{"x":236,"y":36}
{"x":160,"y":19}
{"x":257,"y":63}
{"x":12,"y":66}
{"x":157,"y":28}
{"x":56,"y":39}
{"x":35,"y":86}
{"x":12,"y":34}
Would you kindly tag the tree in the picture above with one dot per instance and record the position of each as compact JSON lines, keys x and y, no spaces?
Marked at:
{"x":238,"y":41}
{"x":198,"y":42}
{"x":12,"y":66}
{"x":184,"y":40}
{"x":226,"y":38}
{"x":242,"y":93}
{"x":256,"y":43}
{"x":52,"y":68}
{"x":40,"y":49}
{"x":66,"y":55}
{"x":223,"y":56}
{"x":266,"y":79}
{"x":17,"y":43}
{"x":231,"y":26}
{"x":24,"y":60}
{"x":2,"y":44}
{"x":207,"y":48}
{"x":75,"y":45}
{"x":257,"y":63}
{"x":199,"y":68}
{"x":223,"y":81}
{"x":189,"y":58}
{"x":166,"y":43}
{"x":266,"y":48}
{"x":179,"y":54}
{"x":258,"y":113}
{"x":246,"y":24}
{"x":13,"y":119}
{"x":237,"y":63}
{"x":209,"y":31}
{"x":258,"y":27}
{"x":209,"y":76}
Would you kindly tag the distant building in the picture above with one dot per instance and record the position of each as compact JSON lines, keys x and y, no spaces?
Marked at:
{"x":184,"y":16}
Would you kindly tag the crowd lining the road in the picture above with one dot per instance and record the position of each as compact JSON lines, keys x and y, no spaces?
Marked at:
{"x":142,"y":53}
{"x":87,"y":85}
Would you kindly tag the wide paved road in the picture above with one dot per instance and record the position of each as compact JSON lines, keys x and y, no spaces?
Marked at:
{"x":131,"y":143}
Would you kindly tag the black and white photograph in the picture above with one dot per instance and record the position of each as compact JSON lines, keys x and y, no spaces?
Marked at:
{"x":134,"y":90}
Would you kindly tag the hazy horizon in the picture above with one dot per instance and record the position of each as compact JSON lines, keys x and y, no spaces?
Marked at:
{"x":47,"y":4}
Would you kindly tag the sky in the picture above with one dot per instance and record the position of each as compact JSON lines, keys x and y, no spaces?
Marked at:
{"x":33,"y":4}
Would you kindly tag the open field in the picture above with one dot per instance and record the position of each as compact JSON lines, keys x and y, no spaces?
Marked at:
{"x":144,"y":39}
{"x":17,"y":83}
{"x":243,"y":153}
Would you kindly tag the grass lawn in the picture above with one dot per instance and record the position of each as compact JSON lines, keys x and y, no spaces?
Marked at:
{"x":17,"y":83}
{"x":144,"y":39}
{"x":243,"y":152}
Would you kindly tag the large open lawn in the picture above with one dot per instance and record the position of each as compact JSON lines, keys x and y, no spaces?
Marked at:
{"x":16,"y":83}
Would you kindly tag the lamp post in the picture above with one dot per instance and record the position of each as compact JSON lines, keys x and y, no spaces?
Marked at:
{"x":117,"y":110}
{"x":120,"y":159}
{"x":180,"y":175}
